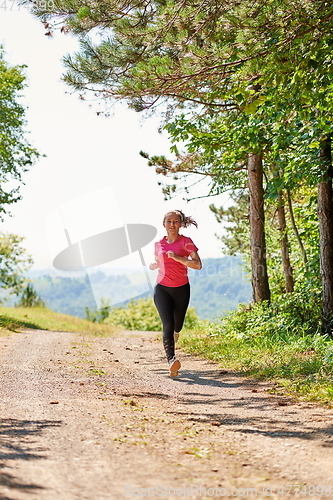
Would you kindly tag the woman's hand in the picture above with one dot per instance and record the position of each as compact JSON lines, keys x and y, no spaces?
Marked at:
{"x":155,"y":265}
{"x":172,"y":255}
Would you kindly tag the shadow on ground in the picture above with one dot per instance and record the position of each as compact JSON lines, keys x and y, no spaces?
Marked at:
{"x":14,"y":445}
{"x":256,"y":407}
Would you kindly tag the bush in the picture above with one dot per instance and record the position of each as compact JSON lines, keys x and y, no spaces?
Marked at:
{"x":281,"y":341}
{"x":297,"y":313}
{"x":141,"y":314}
{"x":30,"y":298}
{"x":98,"y":315}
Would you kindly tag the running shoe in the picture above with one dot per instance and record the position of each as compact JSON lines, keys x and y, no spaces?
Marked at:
{"x":174,"y":367}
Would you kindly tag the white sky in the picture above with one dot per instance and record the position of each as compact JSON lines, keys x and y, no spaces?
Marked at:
{"x":85,"y":153}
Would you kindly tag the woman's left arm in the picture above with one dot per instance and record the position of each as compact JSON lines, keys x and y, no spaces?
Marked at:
{"x":193,"y":260}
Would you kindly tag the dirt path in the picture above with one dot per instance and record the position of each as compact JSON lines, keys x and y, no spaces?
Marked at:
{"x":92,"y":418}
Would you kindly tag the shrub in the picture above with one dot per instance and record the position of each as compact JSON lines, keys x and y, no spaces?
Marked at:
{"x":281,"y":341}
{"x":141,"y":314}
{"x":98,"y":315}
{"x":30,"y":298}
{"x":297,"y":313}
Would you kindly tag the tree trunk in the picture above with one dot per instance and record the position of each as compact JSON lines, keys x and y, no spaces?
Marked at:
{"x":325,"y":217}
{"x":296,"y":232}
{"x":260,"y":284}
{"x":288,"y":270}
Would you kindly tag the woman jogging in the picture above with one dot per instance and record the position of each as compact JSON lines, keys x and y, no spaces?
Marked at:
{"x":173,"y":255}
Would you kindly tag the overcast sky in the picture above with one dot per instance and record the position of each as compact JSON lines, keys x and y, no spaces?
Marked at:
{"x":88,"y":157}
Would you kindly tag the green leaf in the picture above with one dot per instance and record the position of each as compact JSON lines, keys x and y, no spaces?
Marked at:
{"x":83,"y":12}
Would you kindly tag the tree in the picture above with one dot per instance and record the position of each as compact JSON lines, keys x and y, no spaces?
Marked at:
{"x":287,"y":268}
{"x":30,"y":298}
{"x":16,"y":154}
{"x":325,"y":213}
{"x":14,"y":262}
{"x":257,"y":229}
{"x":98,"y":315}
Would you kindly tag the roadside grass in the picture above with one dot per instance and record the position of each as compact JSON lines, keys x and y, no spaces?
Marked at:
{"x":301,"y":365}
{"x":18,"y":318}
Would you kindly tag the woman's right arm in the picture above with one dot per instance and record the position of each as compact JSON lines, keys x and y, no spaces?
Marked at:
{"x":155,"y":265}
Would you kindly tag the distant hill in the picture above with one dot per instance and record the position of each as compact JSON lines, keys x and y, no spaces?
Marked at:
{"x":218,"y":287}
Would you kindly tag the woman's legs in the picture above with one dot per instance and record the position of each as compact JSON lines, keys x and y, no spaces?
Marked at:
{"x":165,"y":306}
{"x":171,"y":303}
{"x":182,"y":298}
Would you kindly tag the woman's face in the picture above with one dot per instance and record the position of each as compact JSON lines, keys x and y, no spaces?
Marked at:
{"x":172,"y":223}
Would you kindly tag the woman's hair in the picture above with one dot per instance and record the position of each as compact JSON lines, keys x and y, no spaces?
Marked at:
{"x":184,"y":219}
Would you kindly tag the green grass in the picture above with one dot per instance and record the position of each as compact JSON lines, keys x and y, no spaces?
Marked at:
{"x":18,"y":318}
{"x":281,"y":342}
{"x":300,"y":365}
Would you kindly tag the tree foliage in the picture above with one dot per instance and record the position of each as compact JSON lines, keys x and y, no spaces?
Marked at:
{"x":98,"y":315}
{"x":30,"y":298}
{"x":14,"y":262}
{"x":192,"y":49}
{"x":16,"y":154}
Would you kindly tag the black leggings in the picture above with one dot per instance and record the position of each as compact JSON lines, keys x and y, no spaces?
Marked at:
{"x":171,"y":303}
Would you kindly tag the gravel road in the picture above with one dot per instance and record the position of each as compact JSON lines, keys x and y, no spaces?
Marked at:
{"x":94,"y":418}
